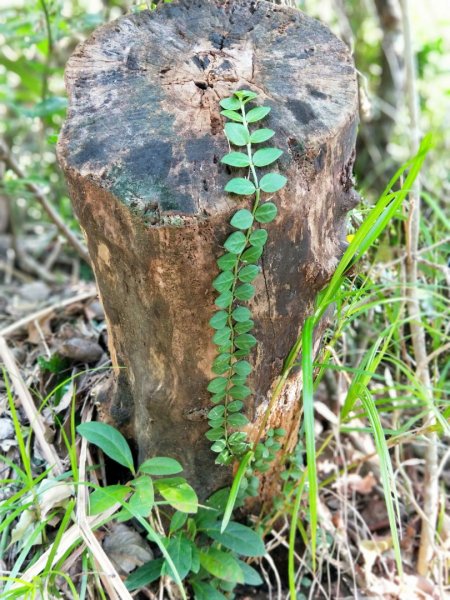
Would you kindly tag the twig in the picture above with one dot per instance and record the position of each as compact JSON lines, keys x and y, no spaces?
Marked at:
{"x":108,"y":574}
{"x":6,"y":156}
{"x":71,"y":536}
{"x":431,"y":481}
{"x":39,"y":314}
{"x":36,"y":422}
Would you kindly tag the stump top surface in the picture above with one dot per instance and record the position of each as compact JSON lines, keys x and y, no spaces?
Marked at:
{"x":144,"y":118}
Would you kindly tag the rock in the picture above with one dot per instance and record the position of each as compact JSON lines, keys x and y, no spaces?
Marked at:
{"x":81,"y":350}
{"x":37,"y":291}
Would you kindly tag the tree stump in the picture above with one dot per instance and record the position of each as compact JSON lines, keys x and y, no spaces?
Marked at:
{"x":141,"y":151}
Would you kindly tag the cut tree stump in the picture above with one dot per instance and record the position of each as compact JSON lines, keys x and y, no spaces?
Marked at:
{"x":141,"y":151}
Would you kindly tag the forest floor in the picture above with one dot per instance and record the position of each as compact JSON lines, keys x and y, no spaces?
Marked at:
{"x":53,"y":343}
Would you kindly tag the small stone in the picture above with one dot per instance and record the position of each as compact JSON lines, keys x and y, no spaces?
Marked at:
{"x":37,"y":291}
{"x":6,"y":429}
{"x":81,"y":350}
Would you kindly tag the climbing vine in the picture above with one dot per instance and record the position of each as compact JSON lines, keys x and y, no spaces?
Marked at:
{"x":238,"y":269}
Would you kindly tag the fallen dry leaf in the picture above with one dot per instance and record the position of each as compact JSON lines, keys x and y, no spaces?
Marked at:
{"x":126,"y":548}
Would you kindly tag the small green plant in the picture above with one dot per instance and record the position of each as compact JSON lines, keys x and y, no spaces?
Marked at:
{"x":194,"y":549}
{"x":238,"y":269}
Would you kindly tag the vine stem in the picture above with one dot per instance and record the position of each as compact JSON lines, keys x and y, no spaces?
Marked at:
{"x":236,"y":271}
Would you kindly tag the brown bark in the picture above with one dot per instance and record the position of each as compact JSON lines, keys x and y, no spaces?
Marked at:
{"x":141,"y":149}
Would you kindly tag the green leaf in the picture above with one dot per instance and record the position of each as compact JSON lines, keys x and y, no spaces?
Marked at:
{"x":251,"y":575}
{"x":217,"y":385}
{"x":244,"y":326}
{"x":248,"y":273}
{"x":258,"y":237}
{"x":218,"y":446}
{"x":227,"y":261}
{"x":161,"y":465}
{"x":257,"y":113}
{"x":224,"y":300}
{"x":222,"y":336}
{"x":180,"y":550}
{"x":109,"y":440}
{"x":103,"y":498}
{"x":241,"y":313}
{"x":215,"y":434}
{"x":245,"y":95}
{"x":251,"y":255}
{"x":177,"y":521}
{"x":237,"y":537}
{"x":236,"y":159}
{"x":272,"y":182}
{"x":231,"y":501}
{"x":245,"y":291}
{"x":261,"y":135}
{"x":246,"y":340}
{"x":266,"y":212}
{"x":237,"y":134}
{"x":205,"y":591}
{"x":223,"y":281}
{"x":219,"y":320}
{"x":242,"y":367}
{"x":239,"y":392}
{"x":230,"y":103}
{"x":236,"y":242}
{"x":240,"y":186}
{"x":266,"y":156}
{"x":216,"y":412}
{"x":217,"y":397}
{"x":221,"y":363}
{"x":235,"y":406}
{"x":178,"y":493}
{"x":231,"y":114}
{"x":142,"y":501}
{"x":222,"y":565}
{"x":243,"y":219}
{"x":148,"y":573}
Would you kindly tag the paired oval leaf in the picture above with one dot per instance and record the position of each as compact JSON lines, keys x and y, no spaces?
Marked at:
{"x":266,"y":212}
{"x":227,"y":261}
{"x":232,"y":114}
{"x":237,"y":134}
{"x":222,"y":565}
{"x":236,"y":242}
{"x":238,"y":538}
{"x":248,"y":273}
{"x":245,"y":291}
{"x":272,"y":182}
{"x":223,"y":281}
{"x":219,"y":320}
{"x":240,"y":186}
{"x":230,"y":103}
{"x":258,"y":237}
{"x":257,"y":113}
{"x":261,"y":135}
{"x":236,"y":159}
{"x":266,"y":156}
{"x":243,"y":219}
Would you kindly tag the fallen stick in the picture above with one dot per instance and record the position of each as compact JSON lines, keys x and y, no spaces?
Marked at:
{"x":39,"y":314}
{"x":36,"y":421}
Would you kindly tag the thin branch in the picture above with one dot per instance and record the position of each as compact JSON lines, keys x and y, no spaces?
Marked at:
{"x":110,"y":577}
{"x":6,"y":156}
{"x":36,"y":421}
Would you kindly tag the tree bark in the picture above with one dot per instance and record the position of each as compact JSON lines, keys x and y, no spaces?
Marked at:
{"x":141,"y":151}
